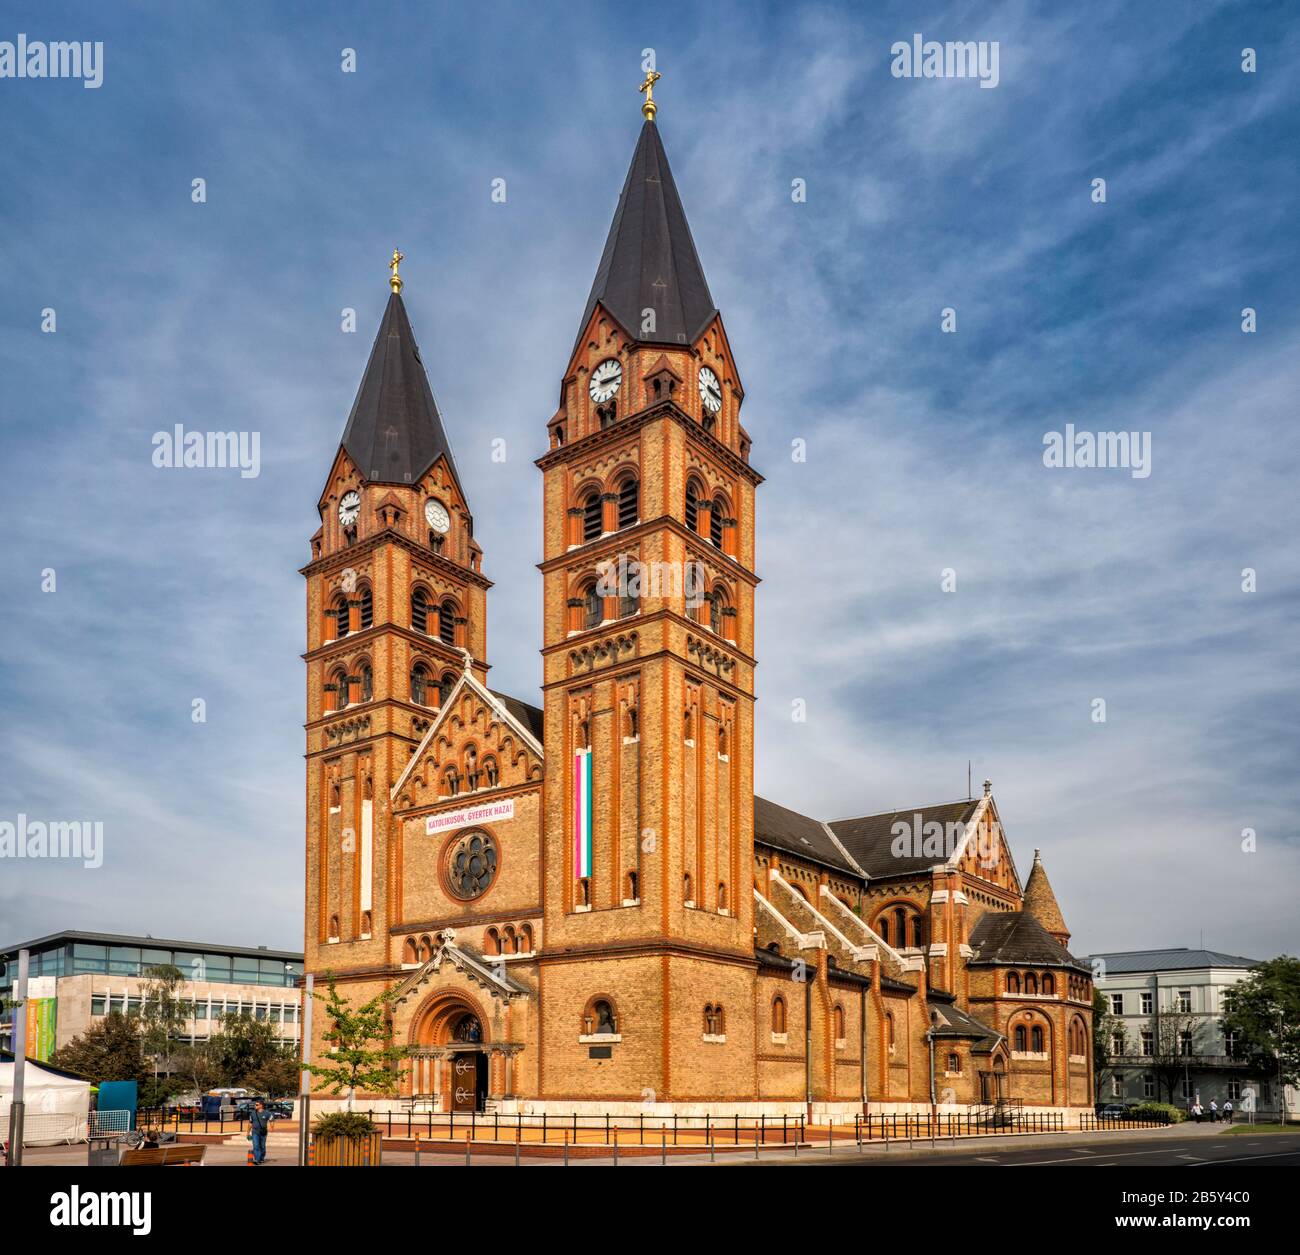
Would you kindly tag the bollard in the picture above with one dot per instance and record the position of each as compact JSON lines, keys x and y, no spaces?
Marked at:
{"x":708,"y":1133}
{"x":566,"y":1148}
{"x":663,"y":1146}
{"x":517,"y":1145}
{"x":417,"y":1150}
{"x":615,"y":1145}
{"x":467,"y":1150}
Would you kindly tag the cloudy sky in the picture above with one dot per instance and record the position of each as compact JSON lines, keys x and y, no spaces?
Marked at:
{"x":924,"y":449}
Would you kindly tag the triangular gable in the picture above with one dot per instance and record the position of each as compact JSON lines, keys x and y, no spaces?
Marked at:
{"x":491,"y":702}
{"x":970,"y":858}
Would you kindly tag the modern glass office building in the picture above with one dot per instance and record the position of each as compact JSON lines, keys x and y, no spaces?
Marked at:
{"x":76,"y":977}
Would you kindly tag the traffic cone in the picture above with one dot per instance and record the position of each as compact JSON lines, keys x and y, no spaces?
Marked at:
{"x":249,"y":1160}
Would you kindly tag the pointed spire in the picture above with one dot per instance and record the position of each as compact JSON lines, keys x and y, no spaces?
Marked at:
{"x":1040,"y":902}
{"x":650,"y":262}
{"x":395,"y":433}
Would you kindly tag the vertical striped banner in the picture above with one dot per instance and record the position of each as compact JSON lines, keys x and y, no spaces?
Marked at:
{"x":582,"y":813}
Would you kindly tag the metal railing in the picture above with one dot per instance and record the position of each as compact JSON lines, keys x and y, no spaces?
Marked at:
{"x":1091,"y":1123}
{"x":974,"y":1122}
{"x":552,"y":1128}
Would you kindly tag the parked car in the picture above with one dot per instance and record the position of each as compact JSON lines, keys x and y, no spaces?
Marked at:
{"x":1112,"y":1111}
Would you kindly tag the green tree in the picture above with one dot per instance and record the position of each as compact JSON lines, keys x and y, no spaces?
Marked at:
{"x":1262,"y":1013}
{"x":242,"y":1047}
{"x":361,"y":1054}
{"x":1105,"y":1028}
{"x":109,"y":1050}
{"x":277,"y":1077}
{"x":164,"y":1015}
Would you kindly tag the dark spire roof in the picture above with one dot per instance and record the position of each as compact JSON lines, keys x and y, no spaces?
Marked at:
{"x":394,"y":433}
{"x":1040,"y":902}
{"x":650,"y":260}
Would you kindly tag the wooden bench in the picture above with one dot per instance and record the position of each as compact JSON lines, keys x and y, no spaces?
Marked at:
{"x":173,"y":1154}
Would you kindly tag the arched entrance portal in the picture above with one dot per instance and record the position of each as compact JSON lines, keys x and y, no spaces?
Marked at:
{"x":450,"y":1054}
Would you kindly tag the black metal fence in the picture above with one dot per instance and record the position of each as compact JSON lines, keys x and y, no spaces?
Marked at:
{"x":975,"y":1122}
{"x":165,"y":1118}
{"x":551,"y":1127}
{"x":1090,"y":1123}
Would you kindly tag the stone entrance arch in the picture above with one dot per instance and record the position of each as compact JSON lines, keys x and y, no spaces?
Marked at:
{"x":450,"y":1053}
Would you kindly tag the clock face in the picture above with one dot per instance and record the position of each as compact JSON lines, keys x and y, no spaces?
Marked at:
{"x":605,"y":380}
{"x":435,"y":514}
{"x":349,"y":507}
{"x":710,"y":390}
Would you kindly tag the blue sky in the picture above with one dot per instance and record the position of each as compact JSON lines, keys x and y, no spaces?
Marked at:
{"x":924,"y":449}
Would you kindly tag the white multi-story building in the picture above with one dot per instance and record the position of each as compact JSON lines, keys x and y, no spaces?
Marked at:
{"x":75,"y":978}
{"x":1169,"y":1045}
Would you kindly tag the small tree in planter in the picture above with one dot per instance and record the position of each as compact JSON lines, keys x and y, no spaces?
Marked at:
{"x":360,"y":1056}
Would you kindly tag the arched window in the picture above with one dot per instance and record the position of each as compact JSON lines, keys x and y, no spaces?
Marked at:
{"x":525,"y":939}
{"x":447,"y":623}
{"x":632,"y":887}
{"x":954,"y":1063}
{"x":1049,"y":983}
{"x":778,"y":1014}
{"x":409,"y":953}
{"x":713,"y":1020}
{"x":340,"y":682}
{"x":692,"y":506}
{"x":420,"y":611}
{"x":1013,"y":982}
{"x":900,"y":927}
{"x":918,"y":931}
{"x":367,"y":682}
{"x":717,"y":603}
{"x":889,"y":1029}
{"x":629,"y":589}
{"x":591,"y":516}
{"x":629,"y":502}
{"x":593,"y":607}
{"x":882,"y":928}
{"x":686,"y":887}
{"x":599,"y":1017}
{"x":339,"y":613}
{"x":367,"y":607}
{"x":1036,"y":1038}
{"x":492,"y":942}
{"x":334,"y":927}
{"x":420,"y":684}
{"x":716,"y":515}
{"x":1031,"y":983}
{"x":839,"y":1022}
{"x":426,"y":948}
{"x":508,"y":940}
{"x":1020,"y":1038}
{"x":722,"y":895}
{"x":445,"y":685}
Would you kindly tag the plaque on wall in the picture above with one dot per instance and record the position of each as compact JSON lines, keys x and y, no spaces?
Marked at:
{"x":600,"y":1052}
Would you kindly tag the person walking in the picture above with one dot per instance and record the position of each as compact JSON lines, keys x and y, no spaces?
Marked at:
{"x":259,"y":1121}
{"x":1196,"y":1112}
{"x":1214,"y":1112}
{"x":1227,"y":1110}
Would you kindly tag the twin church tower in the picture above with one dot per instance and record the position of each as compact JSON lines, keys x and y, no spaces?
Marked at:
{"x":560,"y":898}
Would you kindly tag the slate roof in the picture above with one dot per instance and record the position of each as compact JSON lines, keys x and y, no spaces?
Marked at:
{"x":957,"y":1023}
{"x":530,"y":716}
{"x":1178,"y":959}
{"x":1004,"y":937}
{"x":869,"y":838}
{"x":784,"y":829}
{"x":395,"y":433}
{"x":649,"y":261}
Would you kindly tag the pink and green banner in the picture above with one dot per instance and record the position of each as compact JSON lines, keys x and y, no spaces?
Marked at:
{"x":582,"y":814}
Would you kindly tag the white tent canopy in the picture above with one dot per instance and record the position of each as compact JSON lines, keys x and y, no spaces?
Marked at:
{"x":55,"y":1109}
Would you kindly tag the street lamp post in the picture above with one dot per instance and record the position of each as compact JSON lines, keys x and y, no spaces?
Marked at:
{"x":20,"y":1062}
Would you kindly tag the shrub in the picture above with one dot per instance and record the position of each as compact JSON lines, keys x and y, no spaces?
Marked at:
{"x":344,"y":1124}
{"x":1165,"y":1112}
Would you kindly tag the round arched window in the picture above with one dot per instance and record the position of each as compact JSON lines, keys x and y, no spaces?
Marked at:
{"x":472,"y":865}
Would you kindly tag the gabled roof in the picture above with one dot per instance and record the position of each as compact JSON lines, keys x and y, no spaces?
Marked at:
{"x":1014,"y":937}
{"x":523,"y":714}
{"x":954,"y":1022}
{"x":797,"y":834}
{"x":650,"y":260}
{"x":1179,"y":959}
{"x":395,"y":433}
{"x":869,"y":838}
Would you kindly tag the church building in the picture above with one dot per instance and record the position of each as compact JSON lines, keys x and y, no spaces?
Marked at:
{"x":583,"y":906}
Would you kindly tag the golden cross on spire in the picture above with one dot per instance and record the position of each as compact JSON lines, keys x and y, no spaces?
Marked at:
{"x":395,"y":282}
{"x":650,"y":108}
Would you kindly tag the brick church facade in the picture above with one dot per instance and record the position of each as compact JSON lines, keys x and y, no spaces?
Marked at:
{"x":584,"y":906}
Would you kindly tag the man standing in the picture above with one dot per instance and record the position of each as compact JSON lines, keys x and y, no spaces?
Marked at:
{"x":1227,"y":1110}
{"x":259,"y":1122}
{"x":1214,"y":1112}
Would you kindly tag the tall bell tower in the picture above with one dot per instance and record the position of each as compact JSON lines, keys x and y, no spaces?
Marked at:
{"x":648,"y":656}
{"x":396,"y":610}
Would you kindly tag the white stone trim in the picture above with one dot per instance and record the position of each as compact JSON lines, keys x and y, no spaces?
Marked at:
{"x":860,"y":953}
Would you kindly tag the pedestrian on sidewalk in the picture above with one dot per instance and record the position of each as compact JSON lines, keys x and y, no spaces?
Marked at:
{"x":1196,"y":1112}
{"x":1214,"y":1112}
{"x":1227,"y":1110}
{"x":259,"y":1121}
